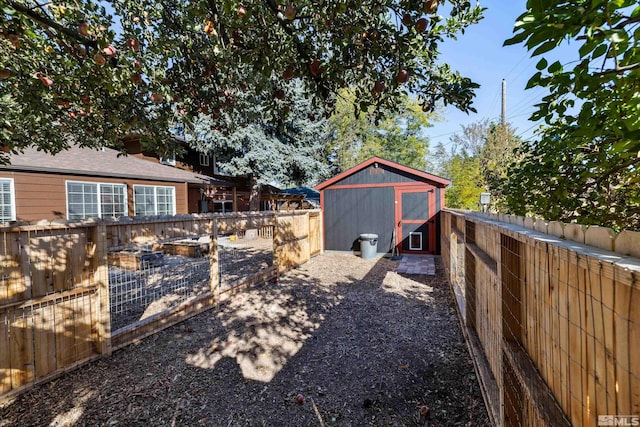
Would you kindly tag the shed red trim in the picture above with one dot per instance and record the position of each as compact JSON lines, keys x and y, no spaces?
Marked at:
{"x":418,"y":173}
{"x":384,"y":184}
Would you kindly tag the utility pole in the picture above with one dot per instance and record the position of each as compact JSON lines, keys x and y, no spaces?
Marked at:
{"x":504,"y":103}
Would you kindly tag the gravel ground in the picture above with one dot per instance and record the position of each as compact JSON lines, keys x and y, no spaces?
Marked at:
{"x":360,"y":344}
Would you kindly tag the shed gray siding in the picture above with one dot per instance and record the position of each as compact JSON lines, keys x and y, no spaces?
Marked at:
{"x":372,"y":176}
{"x":351,"y":211}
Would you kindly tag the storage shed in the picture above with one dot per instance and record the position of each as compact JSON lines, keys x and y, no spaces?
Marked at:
{"x":380,"y":196}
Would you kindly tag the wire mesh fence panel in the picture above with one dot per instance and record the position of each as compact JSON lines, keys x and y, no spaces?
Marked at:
{"x":152,"y":288}
{"x":562,"y":317}
{"x":243,"y":258}
{"x":46,"y":336}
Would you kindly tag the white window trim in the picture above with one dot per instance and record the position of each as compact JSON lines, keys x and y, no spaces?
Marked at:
{"x":171,"y":161}
{"x":223,"y":203}
{"x":66,"y":194}
{"x":205,"y":159}
{"x":12,"y":189}
{"x":155,"y":198}
{"x":412,"y":248}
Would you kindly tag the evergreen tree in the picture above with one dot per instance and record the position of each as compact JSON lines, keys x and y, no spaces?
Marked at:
{"x":287,"y":153}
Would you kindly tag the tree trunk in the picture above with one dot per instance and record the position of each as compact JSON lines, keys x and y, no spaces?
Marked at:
{"x":254,"y":196}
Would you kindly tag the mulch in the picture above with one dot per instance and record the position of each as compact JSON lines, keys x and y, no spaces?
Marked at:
{"x":340,"y":341}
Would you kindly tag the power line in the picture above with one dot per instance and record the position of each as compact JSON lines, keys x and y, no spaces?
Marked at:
{"x":524,"y":56}
{"x":527,"y":130}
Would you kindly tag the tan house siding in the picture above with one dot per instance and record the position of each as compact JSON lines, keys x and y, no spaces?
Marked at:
{"x":44,"y":196}
{"x":194,"y":200}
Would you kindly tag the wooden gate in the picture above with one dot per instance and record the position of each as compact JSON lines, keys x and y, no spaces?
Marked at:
{"x":314,"y":233}
{"x":52,"y":311}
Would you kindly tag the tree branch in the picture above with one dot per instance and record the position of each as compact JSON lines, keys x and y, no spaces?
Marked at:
{"x":626,"y":22}
{"x":619,"y":69}
{"x":47,"y":22}
{"x":617,"y":168}
{"x":300,"y":48}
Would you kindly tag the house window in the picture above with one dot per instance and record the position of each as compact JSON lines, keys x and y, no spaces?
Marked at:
{"x":204,"y":159}
{"x":415,"y":241}
{"x":222,"y":206}
{"x":113,"y":200}
{"x":170,"y":160}
{"x":96,"y":200}
{"x":154,"y":200}
{"x":7,"y":201}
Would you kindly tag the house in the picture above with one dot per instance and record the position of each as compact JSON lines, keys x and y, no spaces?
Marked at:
{"x":188,"y":159}
{"x":84,"y":183}
{"x":219,"y":199}
{"x":398,"y":203}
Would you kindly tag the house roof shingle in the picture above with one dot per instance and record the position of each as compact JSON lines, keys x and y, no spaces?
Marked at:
{"x":104,"y":162}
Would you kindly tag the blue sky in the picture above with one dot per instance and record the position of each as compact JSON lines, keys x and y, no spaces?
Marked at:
{"x":479,"y":55}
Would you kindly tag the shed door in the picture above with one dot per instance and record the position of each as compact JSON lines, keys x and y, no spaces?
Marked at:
{"x":415,"y":220}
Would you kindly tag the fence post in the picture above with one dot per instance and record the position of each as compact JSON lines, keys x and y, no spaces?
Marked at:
{"x":321,"y":231}
{"x":101,"y":280}
{"x":276,"y":245}
{"x":307,"y":248}
{"x":214,"y":265}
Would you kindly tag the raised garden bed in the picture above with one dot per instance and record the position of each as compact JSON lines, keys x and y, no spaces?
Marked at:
{"x":135,"y":259}
{"x":188,"y":248}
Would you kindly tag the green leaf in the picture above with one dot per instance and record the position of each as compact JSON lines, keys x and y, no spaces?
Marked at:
{"x":555,"y":67}
{"x":545,"y":47}
{"x":619,"y":36}
{"x":600,"y":50}
{"x":587,"y":47}
{"x":518,"y":38}
{"x":534,"y":80}
{"x":542,"y":64}
{"x":632,"y":123}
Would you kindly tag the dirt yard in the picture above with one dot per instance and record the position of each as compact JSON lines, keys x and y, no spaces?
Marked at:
{"x":362,"y":345}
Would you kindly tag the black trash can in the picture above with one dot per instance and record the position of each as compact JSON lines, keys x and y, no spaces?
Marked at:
{"x":368,"y":245}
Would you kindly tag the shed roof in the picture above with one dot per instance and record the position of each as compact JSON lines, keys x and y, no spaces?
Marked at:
{"x":104,"y":162}
{"x":439,"y":181}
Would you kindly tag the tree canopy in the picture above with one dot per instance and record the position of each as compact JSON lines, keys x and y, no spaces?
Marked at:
{"x":288,"y":153}
{"x":400,"y":137}
{"x":478,"y":160}
{"x":584,"y":165}
{"x":87,"y":72}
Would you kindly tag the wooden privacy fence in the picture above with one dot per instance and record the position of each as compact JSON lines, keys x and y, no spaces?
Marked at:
{"x":137,"y":232}
{"x":554,"y":324}
{"x":54,"y":290}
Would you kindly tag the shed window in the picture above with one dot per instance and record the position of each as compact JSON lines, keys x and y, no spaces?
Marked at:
{"x":7,"y":201}
{"x":152,"y":200}
{"x":96,"y":200}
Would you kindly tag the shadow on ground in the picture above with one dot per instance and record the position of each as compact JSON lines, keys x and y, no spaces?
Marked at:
{"x":363,"y":344}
